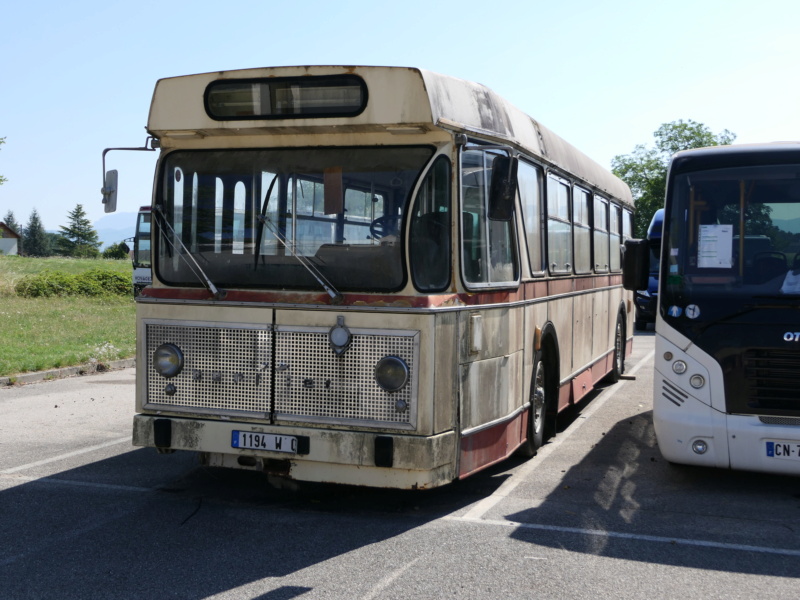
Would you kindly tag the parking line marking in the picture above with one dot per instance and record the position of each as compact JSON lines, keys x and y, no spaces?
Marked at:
{"x":53,"y":459}
{"x":630,"y":536}
{"x":89,"y":484}
{"x":510,"y":484}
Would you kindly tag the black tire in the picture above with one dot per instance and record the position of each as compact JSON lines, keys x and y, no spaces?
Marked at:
{"x":539,"y":403}
{"x":619,"y":352}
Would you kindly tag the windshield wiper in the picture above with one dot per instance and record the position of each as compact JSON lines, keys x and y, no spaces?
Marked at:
{"x":264,"y":221}
{"x":336,"y":297}
{"x":194,"y":266}
{"x":748,"y":308}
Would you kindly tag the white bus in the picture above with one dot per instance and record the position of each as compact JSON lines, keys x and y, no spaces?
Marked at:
{"x":369,"y":275}
{"x":727,"y":384}
{"x":142,"y":276}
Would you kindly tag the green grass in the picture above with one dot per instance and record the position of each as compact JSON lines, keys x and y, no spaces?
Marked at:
{"x":47,"y":333}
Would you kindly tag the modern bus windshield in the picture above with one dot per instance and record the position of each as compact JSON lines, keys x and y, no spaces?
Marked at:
{"x":733,"y":245}
{"x":249,"y":214}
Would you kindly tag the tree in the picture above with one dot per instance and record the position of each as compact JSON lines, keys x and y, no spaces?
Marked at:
{"x":78,"y":239}
{"x":34,"y":237}
{"x":117,"y":251}
{"x":11,"y":222}
{"x":645,"y":169}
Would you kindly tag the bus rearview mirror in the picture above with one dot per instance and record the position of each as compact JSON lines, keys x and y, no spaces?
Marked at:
{"x":110,"y":191}
{"x":635,"y":265}
{"x":503,"y":191}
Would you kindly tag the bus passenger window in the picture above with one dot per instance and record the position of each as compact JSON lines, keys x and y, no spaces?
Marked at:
{"x":488,"y":248}
{"x":581,"y":231}
{"x":530,"y":192}
{"x":429,"y":237}
{"x":601,"y":262}
{"x":559,"y":230}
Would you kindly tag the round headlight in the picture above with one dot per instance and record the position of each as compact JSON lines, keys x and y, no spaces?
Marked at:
{"x":697,"y":381}
{"x":679,"y":367}
{"x":699,"y":446}
{"x":168,"y":360}
{"x":391,"y":373}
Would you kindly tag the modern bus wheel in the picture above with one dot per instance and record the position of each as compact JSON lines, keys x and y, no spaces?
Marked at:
{"x":619,"y":352}
{"x":538,"y":411}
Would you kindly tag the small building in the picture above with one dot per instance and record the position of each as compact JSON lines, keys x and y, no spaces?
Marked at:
{"x":9,"y":240}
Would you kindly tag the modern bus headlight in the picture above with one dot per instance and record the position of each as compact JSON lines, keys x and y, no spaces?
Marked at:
{"x":168,"y":360}
{"x":679,"y":367}
{"x":391,"y":373}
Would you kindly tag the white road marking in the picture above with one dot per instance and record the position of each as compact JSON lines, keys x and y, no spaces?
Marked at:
{"x":386,"y":581}
{"x":53,"y":459}
{"x":510,"y":484}
{"x":630,"y":536}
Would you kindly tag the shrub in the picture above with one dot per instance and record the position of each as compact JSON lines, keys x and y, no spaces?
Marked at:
{"x":45,"y":284}
{"x":95,"y":282}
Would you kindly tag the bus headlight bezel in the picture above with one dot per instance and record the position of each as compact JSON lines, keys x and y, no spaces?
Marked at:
{"x":168,"y":360}
{"x":392,"y":373}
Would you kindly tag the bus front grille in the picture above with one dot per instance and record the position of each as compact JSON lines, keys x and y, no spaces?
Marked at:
{"x":772,"y":379}
{"x":286,"y":374}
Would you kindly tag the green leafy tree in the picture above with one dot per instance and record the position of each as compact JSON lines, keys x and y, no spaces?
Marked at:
{"x":117,"y":251}
{"x":34,"y":237}
{"x":78,"y":239}
{"x":645,"y":169}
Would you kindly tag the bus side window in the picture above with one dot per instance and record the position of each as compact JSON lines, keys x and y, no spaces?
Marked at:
{"x":601,"y":261}
{"x":559,"y":238}
{"x":429,"y":237}
{"x":489,"y":252}
{"x":530,"y":192}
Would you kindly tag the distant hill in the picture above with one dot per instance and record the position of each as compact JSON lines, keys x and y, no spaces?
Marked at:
{"x":115,"y":227}
{"x":791,"y":225}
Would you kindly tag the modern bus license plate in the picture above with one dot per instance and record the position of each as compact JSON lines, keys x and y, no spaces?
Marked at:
{"x":264,"y":441}
{"x":783,"y":449}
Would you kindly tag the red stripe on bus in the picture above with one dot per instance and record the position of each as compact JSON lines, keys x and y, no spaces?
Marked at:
{"x":526,"y":291}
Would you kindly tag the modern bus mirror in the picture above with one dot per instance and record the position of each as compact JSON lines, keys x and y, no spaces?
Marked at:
{"x":636,"y":265}
{"x":110,"y":191}
{"x":503,"y":191}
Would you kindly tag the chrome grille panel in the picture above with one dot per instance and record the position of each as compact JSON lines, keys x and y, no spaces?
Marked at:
{"x":229,"y":369}
{"x":317,"y":383}
{"x":238,"y":356}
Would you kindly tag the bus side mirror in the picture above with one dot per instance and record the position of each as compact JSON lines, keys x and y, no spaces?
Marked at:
{"x":110,"y":191}
{"x":635,"y":265}
{"x":503,"y":191}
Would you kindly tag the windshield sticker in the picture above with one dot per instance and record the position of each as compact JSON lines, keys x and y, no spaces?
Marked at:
{"x":675,"y":311}
{"x":715,"y":250}
{"x":693,"y":311}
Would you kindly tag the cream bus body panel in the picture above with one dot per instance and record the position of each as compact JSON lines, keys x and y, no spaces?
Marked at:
{"x":491,"y":365}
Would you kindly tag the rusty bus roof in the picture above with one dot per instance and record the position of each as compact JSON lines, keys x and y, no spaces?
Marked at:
{"x":402,"y":100}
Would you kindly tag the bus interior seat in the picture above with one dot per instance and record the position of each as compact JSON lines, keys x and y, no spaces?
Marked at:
{"x":470,"y":251}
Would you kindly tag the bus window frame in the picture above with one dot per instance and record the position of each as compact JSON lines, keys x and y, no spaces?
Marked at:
{"x":542,"y":217}
{"x":585,"y":225}
{"x":568,"y":266}
{"x":484,"y":218}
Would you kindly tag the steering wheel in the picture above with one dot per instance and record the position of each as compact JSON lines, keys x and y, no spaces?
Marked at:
{"x":383,"y":226}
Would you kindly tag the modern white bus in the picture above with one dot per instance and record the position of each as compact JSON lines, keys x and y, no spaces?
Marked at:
{"x":727,"y":365}
{"x":370,"y":275}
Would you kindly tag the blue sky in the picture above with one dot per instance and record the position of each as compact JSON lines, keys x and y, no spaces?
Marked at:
{"x":77,"y":77}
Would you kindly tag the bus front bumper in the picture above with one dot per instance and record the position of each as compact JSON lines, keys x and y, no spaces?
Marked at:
{"x":321,"y":455}
{"x":693,"y":433}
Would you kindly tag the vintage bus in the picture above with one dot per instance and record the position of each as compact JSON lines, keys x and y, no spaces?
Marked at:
{"x":142,"y":275}
{"x":370,"y":275}
{"x":727,"y":366}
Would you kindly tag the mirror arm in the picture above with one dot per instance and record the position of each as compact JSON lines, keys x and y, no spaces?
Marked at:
{"x":151,"y":144}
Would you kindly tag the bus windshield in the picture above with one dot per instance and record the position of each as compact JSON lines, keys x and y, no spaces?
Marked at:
{"x":252,"y":217}
{"x":733,"y":243}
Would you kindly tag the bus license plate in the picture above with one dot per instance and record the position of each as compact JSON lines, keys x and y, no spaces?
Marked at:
{"x":783,"y":449}
{"x":250,"y":440}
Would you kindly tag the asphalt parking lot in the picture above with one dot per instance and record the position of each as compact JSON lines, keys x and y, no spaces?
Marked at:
{"x":597,"y":513}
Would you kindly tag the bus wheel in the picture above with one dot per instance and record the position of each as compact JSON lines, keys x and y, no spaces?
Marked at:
{"x":619,"y":353}
{"x":538,"y":411}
